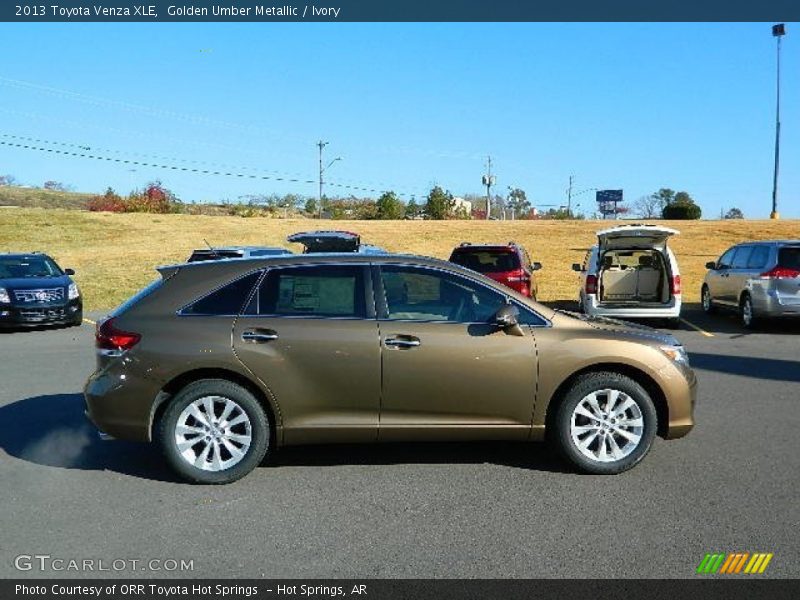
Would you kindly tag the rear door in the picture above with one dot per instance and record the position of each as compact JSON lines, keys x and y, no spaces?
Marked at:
{"x":630,"y":237}
{"x":787,"y":285}
{"x":738,"y":275}
{"x":447,"y":371}
{"x":309,"y":334}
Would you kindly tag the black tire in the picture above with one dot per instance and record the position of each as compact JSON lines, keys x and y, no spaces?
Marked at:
{"x":747,"y":314}
{"x":705,"y":301}
{"x":580,"y":389}
{"x":77,"y":321}
{"x":259,"y":431}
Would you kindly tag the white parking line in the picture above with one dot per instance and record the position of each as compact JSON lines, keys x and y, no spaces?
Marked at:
{"x":85,"y":320}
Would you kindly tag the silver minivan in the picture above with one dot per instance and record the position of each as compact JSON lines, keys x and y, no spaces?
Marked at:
{"x":756,"y":279}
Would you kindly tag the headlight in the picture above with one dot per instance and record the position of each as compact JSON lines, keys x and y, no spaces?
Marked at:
{"x":73,"y":292}
{"x":4,"y":295}
{"x":676,"y":353}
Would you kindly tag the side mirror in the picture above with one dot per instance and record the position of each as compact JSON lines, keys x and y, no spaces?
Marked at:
{"x":711,"y":265}
{"x":577,"y":267}
{"x":537,"y":266}
{"x":507,"y":319}
{"x":69,"y":271}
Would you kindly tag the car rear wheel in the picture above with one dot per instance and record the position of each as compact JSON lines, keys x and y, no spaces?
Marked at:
{"x":746,"y":312}
{"x":213,"y":431}
{"x":705,"y":298}
{"x":605,"y":424}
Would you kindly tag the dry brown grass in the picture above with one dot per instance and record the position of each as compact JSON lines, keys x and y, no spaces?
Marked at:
{"x":114,"y":254}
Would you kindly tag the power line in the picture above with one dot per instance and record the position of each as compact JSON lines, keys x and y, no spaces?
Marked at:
{"x":83,"y":151}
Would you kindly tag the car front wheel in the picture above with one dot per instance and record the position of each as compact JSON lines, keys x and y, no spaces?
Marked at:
{"x":213,"y":431}
{"x":605,"y":424}
{"x":705,"y":298}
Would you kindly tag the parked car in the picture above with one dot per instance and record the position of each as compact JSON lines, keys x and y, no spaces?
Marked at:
{"x":333,"y":241}
{"x":34,"y":290}
{"x":509,"y":264}
{"x":631,"y":273}
{"x":221,"y":362}
{"x":759,"y":280}
{"x":235,"y":252}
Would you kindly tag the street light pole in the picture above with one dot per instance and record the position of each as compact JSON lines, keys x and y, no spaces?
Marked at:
{"x":778,"y":31}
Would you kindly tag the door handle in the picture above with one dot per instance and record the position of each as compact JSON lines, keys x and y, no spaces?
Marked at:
{"x":259,"y":336}
{"x":402,"y":342}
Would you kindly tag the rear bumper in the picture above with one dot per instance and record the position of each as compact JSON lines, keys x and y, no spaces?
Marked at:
{"x":660,"y":311}
{"x":120,"y":405}
{"x":770,"y":304}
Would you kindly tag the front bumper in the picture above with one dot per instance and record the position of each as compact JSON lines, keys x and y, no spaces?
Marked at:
{"x":35,"y":314}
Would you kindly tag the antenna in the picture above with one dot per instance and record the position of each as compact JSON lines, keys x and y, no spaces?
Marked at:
{"x":210,"y":247}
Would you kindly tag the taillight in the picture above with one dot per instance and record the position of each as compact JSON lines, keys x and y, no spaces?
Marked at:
{"x":780,"y":273}
{"x":675,"y":284}
{"x":108,"y":337}
{"x":591,"y":284}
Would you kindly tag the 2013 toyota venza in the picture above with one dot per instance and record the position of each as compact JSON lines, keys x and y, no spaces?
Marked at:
{"x":222,"y":362}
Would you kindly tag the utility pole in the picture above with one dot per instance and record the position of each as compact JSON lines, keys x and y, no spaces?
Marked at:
{"x":569,"y":196}
{"x":321,"y":146}
{"x":778,"y":31}
{"x":488,"y":180}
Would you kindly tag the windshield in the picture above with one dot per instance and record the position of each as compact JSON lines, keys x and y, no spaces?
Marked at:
{"x":28,"y":266}
{"x":486,"y":261}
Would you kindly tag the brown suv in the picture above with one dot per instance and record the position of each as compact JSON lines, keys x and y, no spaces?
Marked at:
{"x":220,"y":362}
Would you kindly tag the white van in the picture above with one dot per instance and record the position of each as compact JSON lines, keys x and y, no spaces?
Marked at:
{"x":631,"y":273}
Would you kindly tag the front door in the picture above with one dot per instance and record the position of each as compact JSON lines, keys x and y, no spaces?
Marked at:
{"x":309,"y":334}
{"x":448,"y":371}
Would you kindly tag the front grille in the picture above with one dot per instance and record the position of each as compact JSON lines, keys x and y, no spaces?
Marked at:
{"x":48,"y":295}
{"x":42,"y":314}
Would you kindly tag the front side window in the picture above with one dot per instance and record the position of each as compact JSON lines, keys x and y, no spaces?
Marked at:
{"x":319,"y":291}
{"x":726,"y":259}
{"x":227,"y":300}
{"x":742,"y":256}
{"x":419,"y":294}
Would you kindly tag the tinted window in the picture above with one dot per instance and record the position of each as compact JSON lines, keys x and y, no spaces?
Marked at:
{"x":789,"y":257}
{"x":486,"y":261}
{"x":726,"y":259}
{"x":426,"y":295}
{"x":758,"y":257}
{"x":324,"y":291}
{"x":227,"y":300}
{"x":202,"y":255}
{"x":741,"y":257}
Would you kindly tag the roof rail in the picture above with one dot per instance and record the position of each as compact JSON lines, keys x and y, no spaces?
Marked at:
{"x":462,"y":244}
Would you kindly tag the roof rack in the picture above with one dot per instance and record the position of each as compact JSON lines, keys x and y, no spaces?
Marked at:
{"x":462,"y":244}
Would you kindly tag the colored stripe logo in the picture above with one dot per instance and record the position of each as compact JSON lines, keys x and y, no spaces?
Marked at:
{"x":734,"y":563}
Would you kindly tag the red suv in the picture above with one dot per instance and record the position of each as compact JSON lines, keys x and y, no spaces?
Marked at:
{"x":510,"y":264}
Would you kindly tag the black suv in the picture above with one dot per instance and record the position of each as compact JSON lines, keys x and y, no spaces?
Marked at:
{"x":34,"y":290}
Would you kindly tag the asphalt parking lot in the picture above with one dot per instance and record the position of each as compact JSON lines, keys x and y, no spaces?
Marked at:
{"x":433,"y":510}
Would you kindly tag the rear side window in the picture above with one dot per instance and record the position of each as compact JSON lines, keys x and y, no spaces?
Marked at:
{"x":758,"y":257}
{"x":323,"y":291}
{"x":789,"y":257}
{"x":487,"y":261}
{"x":227,"y":300}
{"x":741,"y":257}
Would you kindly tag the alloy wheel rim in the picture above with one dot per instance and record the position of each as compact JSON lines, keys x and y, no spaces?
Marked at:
{"x":213,"y":433}
{"x":747,"y":312}
{"x":607,"y":425}
{"x":706,"y":300}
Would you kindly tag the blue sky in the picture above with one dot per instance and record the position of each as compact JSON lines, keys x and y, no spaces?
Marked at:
{"x":409,"y":105}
